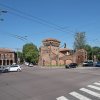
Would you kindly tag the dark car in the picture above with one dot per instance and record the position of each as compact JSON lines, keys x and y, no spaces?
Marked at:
{"x":88,"y":63}
{"x":71,"y":65}
{"x":97,"y":64}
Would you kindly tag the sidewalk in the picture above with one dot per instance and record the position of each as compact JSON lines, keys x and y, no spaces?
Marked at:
{"x":50,"y":67}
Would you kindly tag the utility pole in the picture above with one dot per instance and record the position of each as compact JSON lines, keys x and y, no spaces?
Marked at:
{"x":58,"y":57}
{"x":17,"y":56}
{"x":23,"y":38}
{"x":50,"y":53}
{"x":92,"y":54}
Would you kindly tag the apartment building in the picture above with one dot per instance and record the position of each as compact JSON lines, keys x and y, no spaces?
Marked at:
{"x":7,"y":56}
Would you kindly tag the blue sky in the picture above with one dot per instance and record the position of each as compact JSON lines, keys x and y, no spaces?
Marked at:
{"x":41,"y":19}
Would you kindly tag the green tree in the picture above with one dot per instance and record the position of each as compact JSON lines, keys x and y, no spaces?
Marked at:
{"x":96,"y":52}
{"x":20,"y":56}
{"x":80,"y":40}
{"x":88,"y":48}
{"x":30,"y":53}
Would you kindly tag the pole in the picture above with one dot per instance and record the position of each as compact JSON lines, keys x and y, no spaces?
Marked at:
{"x":92,"y":54}
{"x":17,"y":55}
{"x":50,"y":53}
{"x":58,"y":57}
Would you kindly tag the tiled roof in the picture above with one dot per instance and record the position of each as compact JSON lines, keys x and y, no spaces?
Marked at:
{"x":51,"y":39}
{"x":5,"y":50}
{"x":64,"y":49}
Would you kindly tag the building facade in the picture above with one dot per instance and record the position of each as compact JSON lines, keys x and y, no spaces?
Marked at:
{"x":7,"y":56}
{"x":52,"y":54}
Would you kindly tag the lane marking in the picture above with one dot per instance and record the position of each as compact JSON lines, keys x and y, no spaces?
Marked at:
{"x":62,"y":98}
{"x":94,"y":87}
{"x":90,"y":92}
{"x":96,"y":83}
{"x":79,"y":96}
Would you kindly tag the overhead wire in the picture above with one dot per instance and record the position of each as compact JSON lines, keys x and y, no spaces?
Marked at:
{"x":23,"y":38}
{"x":34,"y":18}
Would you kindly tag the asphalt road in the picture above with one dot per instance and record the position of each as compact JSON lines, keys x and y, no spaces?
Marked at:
{"x":50,"y":84}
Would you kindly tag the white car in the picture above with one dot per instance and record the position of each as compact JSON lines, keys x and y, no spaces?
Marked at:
{"x":12,"y":68}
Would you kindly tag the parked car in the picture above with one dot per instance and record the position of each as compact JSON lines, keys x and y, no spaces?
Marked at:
{"x":88,"y":63}
{"x":30,"y":65}
{"x":5,"y":69}
{"x":97,"y":64}
{"x":71,"y":65}
{"x":1,"y":68}
{"x":11,"y":68}
{"x":26,"y":63}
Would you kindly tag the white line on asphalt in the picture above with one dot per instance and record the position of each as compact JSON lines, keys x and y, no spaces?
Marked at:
{"x":62,"y":98}
{"x":90,"y":92}
{"x":96,"y":83}
{"x":93,"y":87}
{"x":79,"y":96}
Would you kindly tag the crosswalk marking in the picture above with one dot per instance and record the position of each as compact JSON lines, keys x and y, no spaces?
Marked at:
{"x":62,"y":98}
{"x":96,"y":83}
{"x":94,"y":87}
{"x":90,"y":92}
{"x":79,"y":96}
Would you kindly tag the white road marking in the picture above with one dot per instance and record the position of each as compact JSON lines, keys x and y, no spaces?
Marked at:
{"x":62,"y":98}
{"x":79,"y":96}
{"x":90,"y":92}
{"x":96,"y":83}
{"x":93,"y":87}
{"x":82,"y":97}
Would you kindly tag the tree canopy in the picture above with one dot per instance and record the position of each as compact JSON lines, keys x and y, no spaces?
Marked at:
{"x":30,"y":53}
{"x":80,"y":40}
{"x":88,"y":48}
{"x":92,"y":51}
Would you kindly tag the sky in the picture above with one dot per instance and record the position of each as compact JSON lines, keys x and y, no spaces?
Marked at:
{"x":35,"y":20}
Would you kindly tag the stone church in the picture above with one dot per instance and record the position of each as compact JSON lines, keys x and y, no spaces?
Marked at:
{"x":51,"y":54}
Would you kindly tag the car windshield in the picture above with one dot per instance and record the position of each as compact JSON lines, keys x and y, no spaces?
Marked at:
{"x":98,"y":62}
{"x":13,"y":66}
{"x":90,"y":62}
{"x":86,"y":62}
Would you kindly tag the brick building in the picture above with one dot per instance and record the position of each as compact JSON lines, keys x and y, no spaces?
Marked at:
{"x":7,"y":56}
{"x":52,"y":54}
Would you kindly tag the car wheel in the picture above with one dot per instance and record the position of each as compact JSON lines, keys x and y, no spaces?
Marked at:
{"x":6,"y":70}
{"x":18,"y":70}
